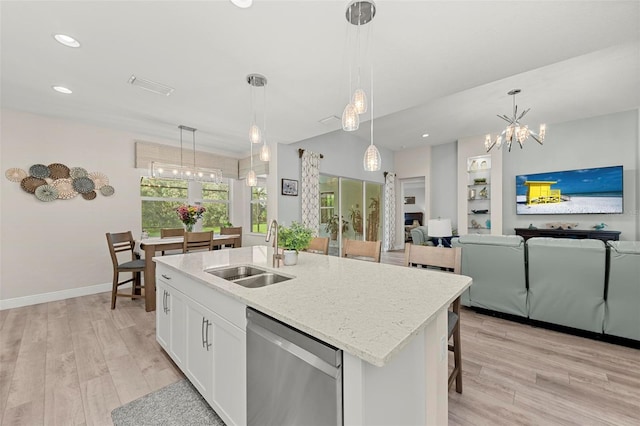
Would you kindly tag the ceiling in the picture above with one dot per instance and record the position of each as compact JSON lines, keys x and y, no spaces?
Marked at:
{"x":440,"y":67}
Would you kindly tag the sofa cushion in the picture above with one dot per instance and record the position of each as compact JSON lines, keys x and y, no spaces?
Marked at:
{"x":566,"y":282}
{"x":497,"y":265}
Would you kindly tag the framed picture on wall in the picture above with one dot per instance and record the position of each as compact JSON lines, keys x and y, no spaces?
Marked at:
{"x":409,"y":200}
{"x":290,"y":187}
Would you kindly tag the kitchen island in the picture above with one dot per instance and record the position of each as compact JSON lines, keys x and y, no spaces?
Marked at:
{"x":390,"y":321}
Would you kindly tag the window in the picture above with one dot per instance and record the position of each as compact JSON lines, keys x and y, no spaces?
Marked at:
{"x":259,"y":208}
{"x":160,"y":199}
{"x":327,"y":205}
{"x":215,"y":198}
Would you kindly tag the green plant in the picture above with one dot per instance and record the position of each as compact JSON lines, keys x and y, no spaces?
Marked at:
{"x":295,"y":237}
{"x":331,"y":227}
{"x":224,"y":222}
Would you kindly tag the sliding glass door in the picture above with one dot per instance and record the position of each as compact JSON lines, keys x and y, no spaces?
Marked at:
{"x":349,"y":209}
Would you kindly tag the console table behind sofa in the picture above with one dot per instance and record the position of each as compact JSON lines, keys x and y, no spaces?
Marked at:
{"x":592,"y":234}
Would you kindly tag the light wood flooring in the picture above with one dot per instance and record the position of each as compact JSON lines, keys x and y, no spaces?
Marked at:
{"x":71,"y":362}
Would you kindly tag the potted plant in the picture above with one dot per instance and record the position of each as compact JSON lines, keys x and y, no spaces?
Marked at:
{"x":331,"y":227}
{"x":292,"y":239}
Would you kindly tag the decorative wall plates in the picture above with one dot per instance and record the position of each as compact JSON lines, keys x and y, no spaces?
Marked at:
{"x":65,"y":188}
{"x":58,"y":181}
{"x":15,"y":174}
{"x":78,"y":172}
{"x":99,"y":179}
{"x":107,"y":190}
{"x":59,"y":171}
{"x":83,"y":185}
{"x":30,"y":183}
{"x":89,"y":195}
{"x":39,"y":170}
{"x":46,"y":193}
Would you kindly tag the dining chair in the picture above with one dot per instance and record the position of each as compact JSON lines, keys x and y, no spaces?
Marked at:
{"x":120,"y":244}
{"x":171,"y":232}
{"x":362,"y":249}
{"x":318,"y":245}
{"x":197,"y":241}
{"x":448,"y":259}
{"x":233,"y":230}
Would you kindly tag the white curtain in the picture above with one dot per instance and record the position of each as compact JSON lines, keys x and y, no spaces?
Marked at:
{"x":310,"y":188}
{"x":389,"y":239}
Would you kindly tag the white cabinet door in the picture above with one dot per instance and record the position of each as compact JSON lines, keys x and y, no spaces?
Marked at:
{"x":229,"y":375}
{"x":178,"y":326}
{"x":199,"y":356}
{"x":163,"y":327}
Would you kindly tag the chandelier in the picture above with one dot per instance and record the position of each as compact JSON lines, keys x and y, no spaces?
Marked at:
{"x":161,"y":170}
{"x":515,"y":131}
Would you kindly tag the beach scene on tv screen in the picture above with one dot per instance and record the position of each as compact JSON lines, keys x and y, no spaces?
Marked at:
{"x":595,"y":190}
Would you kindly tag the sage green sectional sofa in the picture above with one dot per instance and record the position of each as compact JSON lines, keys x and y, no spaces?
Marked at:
{"x":497,"y":265}
{"x":567,"y":281}
{"x":622,"y":314}
{"x":582,"y":284}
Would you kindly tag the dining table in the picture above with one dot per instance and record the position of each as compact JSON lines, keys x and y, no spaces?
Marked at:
{"x":152,"y":245}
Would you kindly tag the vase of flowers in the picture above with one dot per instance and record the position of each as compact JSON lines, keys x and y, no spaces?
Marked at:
{"x":189,"y":215}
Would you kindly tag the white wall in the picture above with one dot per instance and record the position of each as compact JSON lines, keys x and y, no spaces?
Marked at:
{"x":60,"y":246}
{"x":417,"y":191}
{"x":343,"y":154}
{"x":444,"y":180}
{"x":607,"y":140}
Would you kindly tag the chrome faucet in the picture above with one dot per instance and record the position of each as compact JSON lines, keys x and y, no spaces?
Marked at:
{"x":276,"y":255}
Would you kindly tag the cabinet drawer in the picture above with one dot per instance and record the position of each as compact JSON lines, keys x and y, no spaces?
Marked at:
{"x":225,"y":306}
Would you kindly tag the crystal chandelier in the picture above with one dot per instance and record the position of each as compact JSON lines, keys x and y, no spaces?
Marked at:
{"x":515,"y":131}
{"x":161,"y":170}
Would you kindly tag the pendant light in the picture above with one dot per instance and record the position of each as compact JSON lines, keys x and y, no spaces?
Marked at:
{"x":372,"y":160}
{"x":257,"y":135}
{"x":358,"y":13}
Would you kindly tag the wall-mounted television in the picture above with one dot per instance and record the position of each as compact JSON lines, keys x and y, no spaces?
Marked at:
{"x":582,"y":191}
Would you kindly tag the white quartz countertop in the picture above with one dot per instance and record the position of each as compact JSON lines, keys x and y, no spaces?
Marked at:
{"x":367,"y":309}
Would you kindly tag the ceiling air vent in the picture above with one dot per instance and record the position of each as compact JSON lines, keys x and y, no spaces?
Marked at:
{"x":151,"y":86}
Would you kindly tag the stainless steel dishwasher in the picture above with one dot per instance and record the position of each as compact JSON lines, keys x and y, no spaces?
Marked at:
{"x":292,"y":378}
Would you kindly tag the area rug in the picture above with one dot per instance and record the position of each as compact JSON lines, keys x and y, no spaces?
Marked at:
{"x":176,"y":404}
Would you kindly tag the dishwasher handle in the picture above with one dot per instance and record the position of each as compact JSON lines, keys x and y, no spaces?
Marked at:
{"x":295,"y":350}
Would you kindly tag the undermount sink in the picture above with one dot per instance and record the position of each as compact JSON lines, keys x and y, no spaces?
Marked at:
{"x":248,"y":276}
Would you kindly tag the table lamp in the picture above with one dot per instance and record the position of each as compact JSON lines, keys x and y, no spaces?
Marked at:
{"x":439,"y":228}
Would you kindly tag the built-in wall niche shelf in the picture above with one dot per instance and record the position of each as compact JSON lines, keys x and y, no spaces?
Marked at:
{"x":479,"y":164}
{"x":478,"y":194}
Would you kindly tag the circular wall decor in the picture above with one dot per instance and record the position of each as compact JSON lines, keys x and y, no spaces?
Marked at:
{"x":107,"y":190}
{"x":58,"y":171}
{"x":78,"y":172}
{"x":99,"y":179}
{"x":30,"y":183}
{"x":65,"y":188}
{"x":89,"y":195}
{"x":39,"y":170}
{"x":46,"y":193}
{"x":83,"y":185}
{"x":15,"y":174}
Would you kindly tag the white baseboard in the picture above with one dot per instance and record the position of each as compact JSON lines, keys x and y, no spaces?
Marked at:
{"x":35,"y":299}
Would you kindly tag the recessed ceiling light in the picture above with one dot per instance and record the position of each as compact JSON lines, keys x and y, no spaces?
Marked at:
{"x":242,"y":3}
{"x":66,"y":40}
{"x":425,"y":135}
{"x":62,"y":89}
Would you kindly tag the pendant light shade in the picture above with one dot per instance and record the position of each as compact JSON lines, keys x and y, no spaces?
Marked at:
{"x":350,"y":119}
{"x":255,"y":134}
{"x":251,"y":179}
{"x":265,"y":153}
{"x":359,"y":101}
{"x":372,"y":160}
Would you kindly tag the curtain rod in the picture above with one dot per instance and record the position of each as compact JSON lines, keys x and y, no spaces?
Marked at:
{"x":301,"y":151}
